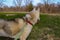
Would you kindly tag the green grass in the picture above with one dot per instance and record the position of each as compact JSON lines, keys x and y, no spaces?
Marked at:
{"x":51,"y":22}
{"x":17,"y":15}
{"x":47,"y":21}
{"x":12,"y":13}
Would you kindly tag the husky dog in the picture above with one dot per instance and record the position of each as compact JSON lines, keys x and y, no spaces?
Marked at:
{"x":22,"y":27}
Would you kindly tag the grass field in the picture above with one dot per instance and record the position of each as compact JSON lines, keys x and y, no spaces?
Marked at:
{"x":48,"y":25}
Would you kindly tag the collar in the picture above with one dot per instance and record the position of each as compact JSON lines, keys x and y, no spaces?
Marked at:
{"x":27,"y":21}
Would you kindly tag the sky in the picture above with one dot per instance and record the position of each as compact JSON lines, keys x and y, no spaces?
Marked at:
{"x":35,"y":2}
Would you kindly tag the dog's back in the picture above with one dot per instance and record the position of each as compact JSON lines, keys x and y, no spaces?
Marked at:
{"x":12,"y":27}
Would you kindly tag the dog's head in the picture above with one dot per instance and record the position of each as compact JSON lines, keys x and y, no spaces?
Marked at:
{"x":33,"y":16}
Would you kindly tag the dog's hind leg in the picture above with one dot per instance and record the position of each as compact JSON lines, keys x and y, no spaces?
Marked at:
{"x":26,"y":32}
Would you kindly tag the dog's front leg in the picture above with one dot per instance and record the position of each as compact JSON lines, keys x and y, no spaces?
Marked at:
{"x":26,"y":32}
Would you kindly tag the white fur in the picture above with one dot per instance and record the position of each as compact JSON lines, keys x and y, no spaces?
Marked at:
{"x":27,"y":29}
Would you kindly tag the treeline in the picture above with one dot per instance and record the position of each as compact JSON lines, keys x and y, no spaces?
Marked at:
{"x":17,"y":8}
{"x":46,"y":7}
{"x":49,"y":8}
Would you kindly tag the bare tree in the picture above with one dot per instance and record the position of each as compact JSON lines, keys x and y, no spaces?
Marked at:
{"x":27,"y":2}
{"x":17,"y":2}
{"x":1,"y":3}
{"x":47,"y":5}
{"x":47,"y":1}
